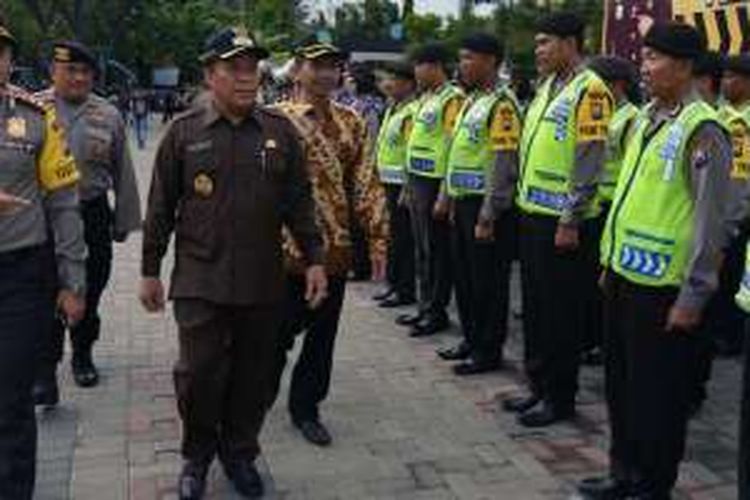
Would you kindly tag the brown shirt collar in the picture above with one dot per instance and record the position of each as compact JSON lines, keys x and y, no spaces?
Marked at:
{"x":211,"y":114}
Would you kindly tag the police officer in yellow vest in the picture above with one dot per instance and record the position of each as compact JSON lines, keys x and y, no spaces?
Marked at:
{"x":562,"y":153}
{"x":427,"y":156}
{"x":400,"y":87}
{"x":621,"y":76}
{"x":661,"y":252}
{"x":735,"y":112}
{"x":724,"y":324}
{"x":481,"y":174}
{"x":737,"y":92}
{"x":38,"y":196}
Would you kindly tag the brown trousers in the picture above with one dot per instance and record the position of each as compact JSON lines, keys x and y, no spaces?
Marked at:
{"x":222,"y":377}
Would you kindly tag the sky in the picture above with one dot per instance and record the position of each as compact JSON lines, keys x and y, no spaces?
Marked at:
{"x":440,"y":7}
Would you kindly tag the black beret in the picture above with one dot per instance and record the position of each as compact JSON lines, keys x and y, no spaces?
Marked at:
{"x":399,"y":70}
{"x":74,"y":52}
{"x":739,"y":64}
{"x":483,"y":43}
{"x":230,"y":42}
{"x":614,"y":68}
{"x":432,"y":53}
{"x":319,"y":45}
{"x":7,"y":37}
{"x":710,"y":63}
{"x":677,"y":40}
{"x":562,"y":24}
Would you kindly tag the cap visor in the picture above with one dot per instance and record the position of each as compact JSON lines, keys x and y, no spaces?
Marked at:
{"x":258,"y":52}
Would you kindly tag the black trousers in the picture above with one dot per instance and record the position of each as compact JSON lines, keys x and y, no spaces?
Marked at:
{"x":222,"y":376}
{"x":432,"y":240}
{"x":724,"y":320}
{"x":26,"y":290}
{"x":555,"y":287}
{"x":401,"y":271}
{"x":311,"y":377}
{"x":593,"y":323}
{"x":744,"y":457}
{"x":648,"y":382}
{"x":482,"y":278}
{"x":97,"y":229}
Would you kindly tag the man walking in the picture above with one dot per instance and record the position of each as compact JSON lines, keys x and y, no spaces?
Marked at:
{"x":228,"y":174}
{"x":97,"y":138}
{"x":335,"y":140}
{"x":38,"y":196}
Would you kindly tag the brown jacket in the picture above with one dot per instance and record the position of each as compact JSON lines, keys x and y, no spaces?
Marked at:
{"x":227,"y":190}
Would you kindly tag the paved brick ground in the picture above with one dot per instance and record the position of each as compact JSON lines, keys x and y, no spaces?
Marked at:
{"x":404,"y":427}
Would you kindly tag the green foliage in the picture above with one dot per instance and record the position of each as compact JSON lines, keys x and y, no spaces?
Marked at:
{"x":147,"y":33}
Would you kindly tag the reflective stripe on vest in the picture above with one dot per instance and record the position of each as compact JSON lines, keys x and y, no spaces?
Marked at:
{"x":743,"y":294}
{"x":618,"y":127}
{"x":427,"y":149}
{"x":648,"y":236}
{"x":471,"y":157}
{"x":548,"y":145}
{"x":391,"y":157}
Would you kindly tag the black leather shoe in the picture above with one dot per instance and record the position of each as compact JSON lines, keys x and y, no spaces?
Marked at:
{"x":46,"y":393}
{"x":315,"y":432}
{"x":545,"y":415}
{"x":383,"y":295}
{"x":245,"y":478}
{"x":603,"y":488}
{"x":472,"y":367}
{"x":455,"y":353}
{"x":430,"y":327}
{"x":593,"y":357}
{"x":192,"y":482}
{"x":85,"y":373}
{"x":520,"y":404}
{"x":409,"y":319}
{"x":397,"y":301}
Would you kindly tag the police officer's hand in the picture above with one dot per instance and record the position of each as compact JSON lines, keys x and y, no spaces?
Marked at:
{"x":316,"y":286}
{"x":683,"y":319}
{"x":378,"y":264}
{"x":484,"y":230}
{"x":152,"y":294}
{"x":71,"y":306}
{"x":566,"y":238}
{"x":10,"y":203}
{"x":441,"y":209}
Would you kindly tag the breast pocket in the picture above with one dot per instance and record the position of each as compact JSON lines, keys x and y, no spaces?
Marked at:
{"x":99,"y":145}
{"x":197,"y":218}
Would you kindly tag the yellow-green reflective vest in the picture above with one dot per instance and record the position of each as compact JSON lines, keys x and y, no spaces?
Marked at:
{"x":427,"y":150}
{"x":548,"y":145}
{"x":621,"y":122}
{"x":648,"y":235}
{"x":391,"y":156}
{"x":471,"y":157}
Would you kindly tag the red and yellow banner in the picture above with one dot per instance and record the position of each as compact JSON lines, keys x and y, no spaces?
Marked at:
{"x":725,"y":23}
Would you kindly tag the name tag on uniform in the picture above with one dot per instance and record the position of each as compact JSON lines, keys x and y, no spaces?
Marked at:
{"x":17,"y":127}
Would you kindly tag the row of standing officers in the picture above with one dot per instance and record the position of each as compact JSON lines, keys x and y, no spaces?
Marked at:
{"x":626,"y":220}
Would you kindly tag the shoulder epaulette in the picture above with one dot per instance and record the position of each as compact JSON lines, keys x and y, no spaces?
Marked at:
{"x":26,"y":97}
